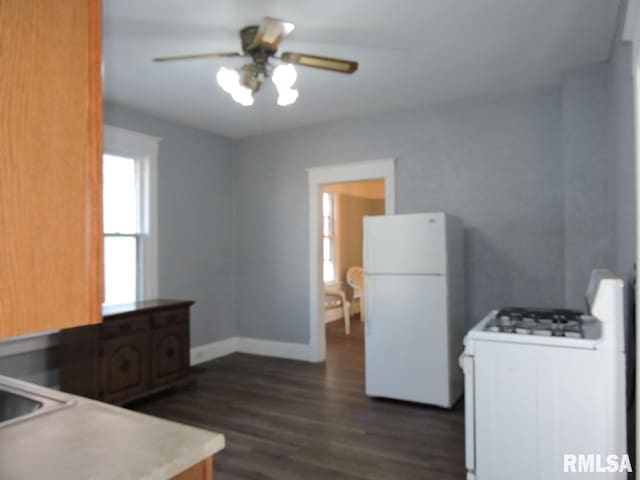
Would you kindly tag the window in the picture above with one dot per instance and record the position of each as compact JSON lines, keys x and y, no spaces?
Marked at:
{"x":129,"y":216}
{"x":122,"y":228}
{"x":328,"y":237}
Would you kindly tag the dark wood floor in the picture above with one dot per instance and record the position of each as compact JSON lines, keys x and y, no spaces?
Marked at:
{"x":285,"y":419}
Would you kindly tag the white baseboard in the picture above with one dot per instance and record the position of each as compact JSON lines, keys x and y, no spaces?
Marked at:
{"x":253,"y":346}
{"x":213,"y":350}
{"x":270,"y":348}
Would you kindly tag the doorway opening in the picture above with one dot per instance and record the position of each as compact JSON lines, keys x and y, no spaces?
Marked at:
{"x":327,"y":186}
{"x":344,"y":206}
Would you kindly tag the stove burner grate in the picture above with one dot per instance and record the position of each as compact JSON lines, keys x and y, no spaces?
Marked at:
{"x":554,"y":322}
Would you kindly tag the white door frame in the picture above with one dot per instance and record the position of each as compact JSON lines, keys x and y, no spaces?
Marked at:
{"x":319,"y":176}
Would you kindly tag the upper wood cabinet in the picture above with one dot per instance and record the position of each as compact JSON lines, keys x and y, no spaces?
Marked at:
{"x":50,"y":165}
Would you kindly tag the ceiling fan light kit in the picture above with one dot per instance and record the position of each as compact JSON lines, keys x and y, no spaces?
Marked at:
{"x":283,"y":77}
{"x":261,"y":42}
{"x":229,"y":81}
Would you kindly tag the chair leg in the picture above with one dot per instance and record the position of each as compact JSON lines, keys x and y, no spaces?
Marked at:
{"x":346,"y":311}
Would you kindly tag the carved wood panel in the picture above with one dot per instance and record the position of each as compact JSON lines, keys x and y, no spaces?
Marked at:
{"x":170,"y":353}
{"x":124,"y":367}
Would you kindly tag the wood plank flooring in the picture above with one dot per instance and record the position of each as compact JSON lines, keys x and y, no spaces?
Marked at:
{"x":285,"y":419}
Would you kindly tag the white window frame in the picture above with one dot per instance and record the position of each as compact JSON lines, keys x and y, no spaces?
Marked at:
{"x":332,"y":238}
{"x":144,"y":149}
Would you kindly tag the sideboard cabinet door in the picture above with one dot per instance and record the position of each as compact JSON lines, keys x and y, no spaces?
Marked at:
{"x":124,"y":367}
{"x":169,"y":354}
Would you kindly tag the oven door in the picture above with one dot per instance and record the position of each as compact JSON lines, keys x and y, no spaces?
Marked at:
{"x":466,"y":362}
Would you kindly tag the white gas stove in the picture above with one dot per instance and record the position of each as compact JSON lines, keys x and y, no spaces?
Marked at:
{"x":542,"y":383}
{"x":538,"y":326}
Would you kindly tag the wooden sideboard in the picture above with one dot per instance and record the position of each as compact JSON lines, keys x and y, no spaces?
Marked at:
{"x":139,"y":349}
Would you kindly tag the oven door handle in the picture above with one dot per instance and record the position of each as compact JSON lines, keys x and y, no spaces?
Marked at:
{"x":467,"y":364}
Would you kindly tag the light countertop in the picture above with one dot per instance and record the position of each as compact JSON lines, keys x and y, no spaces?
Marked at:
{"x":93,"y":440}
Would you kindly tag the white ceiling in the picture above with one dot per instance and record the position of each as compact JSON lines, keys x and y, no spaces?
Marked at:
{"x":411,"y":53}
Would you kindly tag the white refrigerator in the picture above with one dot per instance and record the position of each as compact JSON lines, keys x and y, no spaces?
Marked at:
{"x":414,"y":307}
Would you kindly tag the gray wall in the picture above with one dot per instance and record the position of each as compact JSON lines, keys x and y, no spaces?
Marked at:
{"x":40,"y":367}
{"x":496,"y":162}
{"x":588,"y":219}
{"x":623,"y":148}
{"x":540,"y":178}
{"x":195,"y":218}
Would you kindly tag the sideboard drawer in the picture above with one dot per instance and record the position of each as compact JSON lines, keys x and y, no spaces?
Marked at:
{"x":124,"y":326}
{"x":171,"y":317}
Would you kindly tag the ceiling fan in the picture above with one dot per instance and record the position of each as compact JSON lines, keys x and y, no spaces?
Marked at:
{"x":260,"y":43}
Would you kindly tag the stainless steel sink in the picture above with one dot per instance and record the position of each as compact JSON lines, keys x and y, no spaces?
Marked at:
{"x":21,"y":401}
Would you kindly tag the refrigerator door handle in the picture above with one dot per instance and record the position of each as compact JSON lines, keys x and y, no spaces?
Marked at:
{"x":466,"y":362}
{"x":367,"y":283}
{"x":367,"y":246}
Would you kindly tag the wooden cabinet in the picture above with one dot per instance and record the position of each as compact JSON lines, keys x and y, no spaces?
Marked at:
{"x":169,"y":345}
{"x":50,"y":165}
{"x":200,"y":471}
{"x":169,"y":354}
{"x":139,"y":349}
{"x":124,"y":367}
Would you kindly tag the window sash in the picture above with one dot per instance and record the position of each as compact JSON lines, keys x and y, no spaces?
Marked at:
{"x":141,"y":220}
{"x":140,"y":208}
{"x":328,"y":240}
{"x":138,"y":260}
{"x":327,"y":226}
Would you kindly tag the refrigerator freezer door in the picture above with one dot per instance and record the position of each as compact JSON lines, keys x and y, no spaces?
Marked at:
{"x":406,"y":348}
{"x":405,"y":244}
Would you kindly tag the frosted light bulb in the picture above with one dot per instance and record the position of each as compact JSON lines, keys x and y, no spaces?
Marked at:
{"x":228,"y":79}
{"x":287,"y":97}
{"x":243,"y":96}
{"x":284,"y":76}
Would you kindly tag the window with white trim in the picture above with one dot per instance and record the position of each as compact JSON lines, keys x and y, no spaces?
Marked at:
{"x":328,"y":237}
{"x":122,"y":209}
{"x":129,"y":216}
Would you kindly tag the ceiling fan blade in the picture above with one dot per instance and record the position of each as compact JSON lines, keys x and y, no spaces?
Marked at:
{"x":315,"y":61}
{"x":197,"y":56}
{"x":272,"y":31}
